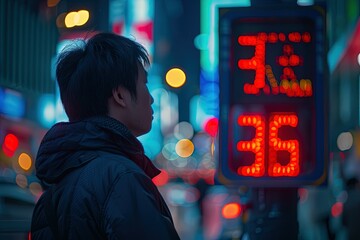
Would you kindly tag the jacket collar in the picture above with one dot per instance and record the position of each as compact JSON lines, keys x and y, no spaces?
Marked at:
{"x":65,"y":143}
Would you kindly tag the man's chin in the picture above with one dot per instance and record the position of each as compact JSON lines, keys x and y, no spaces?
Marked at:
{"x":143,"y":132}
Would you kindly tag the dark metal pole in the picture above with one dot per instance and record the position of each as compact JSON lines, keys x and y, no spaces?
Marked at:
{"x":274,"y":214}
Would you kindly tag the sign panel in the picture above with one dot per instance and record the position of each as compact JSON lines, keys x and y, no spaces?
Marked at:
{"x":273,"y":96}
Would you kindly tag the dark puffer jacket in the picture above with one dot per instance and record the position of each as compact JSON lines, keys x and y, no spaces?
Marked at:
{"x":98,"y":185}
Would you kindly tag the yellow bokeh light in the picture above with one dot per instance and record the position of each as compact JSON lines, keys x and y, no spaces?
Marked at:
{"x":79,"y":18}
{"x":24,"y":161}
{"x":175,"y":77}
{"x":70,"y":19}
{"x":184,"y":148}
{"x":212,"y":148}
{"x":83,"y":17}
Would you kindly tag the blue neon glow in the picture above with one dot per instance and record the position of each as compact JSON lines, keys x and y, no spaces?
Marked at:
{"x":46,"y":110}
{"x":12,"y":103}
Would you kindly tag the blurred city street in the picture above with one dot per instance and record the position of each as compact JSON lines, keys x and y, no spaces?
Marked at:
{"x":256,"y":124}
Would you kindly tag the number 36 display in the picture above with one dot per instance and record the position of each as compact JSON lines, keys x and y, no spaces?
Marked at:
{"x":273,"y":96}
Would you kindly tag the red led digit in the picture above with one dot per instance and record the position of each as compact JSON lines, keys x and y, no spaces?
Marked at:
{"x":256,"y":145}
{"x":256,"y":63}
{"x":276,"y":169}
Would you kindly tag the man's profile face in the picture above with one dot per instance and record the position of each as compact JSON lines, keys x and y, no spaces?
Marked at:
{"x":141,"y":113}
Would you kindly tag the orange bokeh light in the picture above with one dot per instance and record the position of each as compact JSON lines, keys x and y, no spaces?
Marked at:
{"x":231,"y":210}
{"x":25,"y":161}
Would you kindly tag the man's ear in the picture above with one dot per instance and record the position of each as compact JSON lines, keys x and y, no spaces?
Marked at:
{"x":120,"y":96}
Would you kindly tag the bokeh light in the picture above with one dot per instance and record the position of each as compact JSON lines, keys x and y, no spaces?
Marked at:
{"x":52,"y":3}
{"x":168,"y":151}
{"x":212,"y":148}
{"x":211,"y":126}
{"x":201,"y":41}
{"x":78,"y":18}
{"x":180,"y":162}
{"x":207,"y":162}
{"x":345,"y":141}
{"x":25,"y":161}
{"x":11,"y":143}
{"x":202,"y":142}
{"x":337,"y":209}
{"x":184,"y":148}
{"x":161,"y":179}
{"x":21,"y":180}
{"x":35,"y":188}
{"x":231,"y":210}
{"x":183,"y":130}
{"x":305,"y":2}
{"x":60,"y":20}
{"x":175,"y":77}
{"x":46,"y":110}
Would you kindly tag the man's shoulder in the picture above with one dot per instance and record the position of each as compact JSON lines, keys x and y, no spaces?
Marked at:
{"x":103,"y":170}
{"x":114,"y":164}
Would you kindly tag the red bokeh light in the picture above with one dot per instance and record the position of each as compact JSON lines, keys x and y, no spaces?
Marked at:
{"x":211,"y":126}
{"x":337,"y":209}
{"x":161,"y":179}
{"x":146,"y":29}
{"x":11,"y":143}
{"x":118,"y":27}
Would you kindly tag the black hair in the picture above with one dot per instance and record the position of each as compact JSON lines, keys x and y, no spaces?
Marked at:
{"x":88,"y":74}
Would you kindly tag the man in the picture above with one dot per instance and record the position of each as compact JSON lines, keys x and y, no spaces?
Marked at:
{"x":96,"y":177}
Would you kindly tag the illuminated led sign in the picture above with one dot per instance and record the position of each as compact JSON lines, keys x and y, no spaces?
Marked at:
{"x":273,"y":96}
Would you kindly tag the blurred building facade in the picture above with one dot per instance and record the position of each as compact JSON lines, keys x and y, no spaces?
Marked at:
{"x":27,"y":46}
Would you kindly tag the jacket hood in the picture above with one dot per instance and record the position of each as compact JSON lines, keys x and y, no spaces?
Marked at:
{"x":69,"y":145}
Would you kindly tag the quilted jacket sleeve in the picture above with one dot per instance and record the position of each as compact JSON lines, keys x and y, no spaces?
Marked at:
{"x":135,"y":209}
